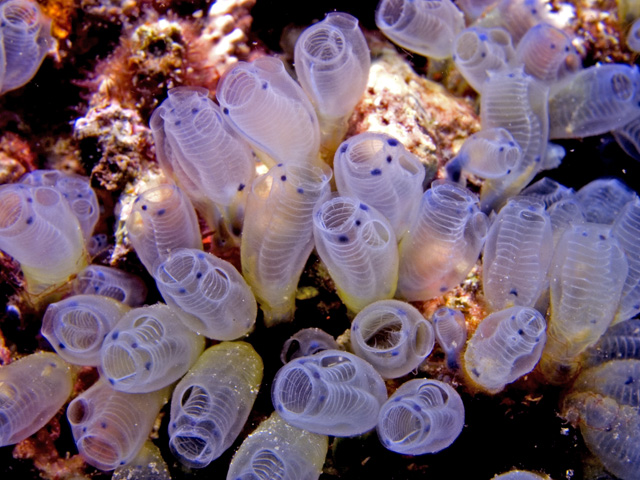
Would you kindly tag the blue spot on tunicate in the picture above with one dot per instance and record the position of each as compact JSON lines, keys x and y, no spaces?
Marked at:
{"x":300,"y":190}
{"x":629,"y":381}
{"x":241,"y":187}
{"x":537,"y":159}
{"x":103,"y":425}
{"x":343,"y":148}
{"x":483,"y":54}
{"x":111,"y":381}
{"x":162,"y":211}
{"x":134,"y":345}
{"x":61,"y":345}
{"x":200,"y":256}
{"x":475,"y":372}
{"x":358,"y":222}
{"x":443,"y":289}
{"x":225,"y":110}
{"x":501,"y":149}
{"x":417,"y":408}
{"x":389,"y":158}
{"x":114,"y":335}
{"x":343,"y":238}
{"x":283,"y":178}
{"x":321,"y":398}
{"x":602,"y":237}
{"x":316,"y":375}
{"x":395,"y":353}
{"x":392,"y":142}
{"x":376,"y":171}
{"x":585,"y":234}
{"x":177,"y":122}
{"x":513,"y":292}
{"x":144,"y":207}
{"x":520,"y":332}
{"x":30,"y":200}
{"x":147,"y":366}
{"x":194,"y":110}
{"x":279,"y":165}
{"x":280,"y":408}
{"x":29,"y":220}
{"x":363,"y":207}
{"x":182,"y":291}
{"x":199,"y":275}
{"x":552,"y":46}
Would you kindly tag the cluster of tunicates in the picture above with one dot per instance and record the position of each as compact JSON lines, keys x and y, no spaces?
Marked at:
{"x":383,"y":239}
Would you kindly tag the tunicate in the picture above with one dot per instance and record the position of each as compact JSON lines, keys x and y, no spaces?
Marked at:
{"x":359,"y":248}
{"x":111,"y":282}
{"x":147,"y":464}
{"x":450,"y":330}
{"x":277,"y":239}
{"x":270,"y":110}
{"x":76,"y":326}
{"x":32,"y":390}
{"x":25,"y":39}
{"x":148,"y":349}
{"x":306,"y":342}
{"x":393,"y":336}
{"x":211,"y":403}
{"x":505,"y":346}
{"x":547,"y":191}
{"x":619,"y":342}
{"x":443,"y":243}
{"x":517,"y":254}
{"x":626,"y":229}
{"x":162,"y":219}
{"x":207,"y":293}
{"x":332,"y":393}
{"x":422,"y":416}
{"x":110,"y":427}
{"x":603,"y":199}
{"x":377,"y":170}
{"x":277,"y":450}
{"x":425,"y":27}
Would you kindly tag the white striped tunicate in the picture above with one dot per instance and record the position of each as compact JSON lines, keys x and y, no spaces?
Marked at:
{"x":450,"y":329}
{"x":111,"y":282}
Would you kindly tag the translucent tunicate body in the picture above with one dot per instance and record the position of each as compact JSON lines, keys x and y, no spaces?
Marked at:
{"x":111,"y":282}
{"x":633,"y":37}
{"x":148,"y":349}
{"x":393,"y":336}
{"x":426,"y":27}
{"x":32,"y":390}
{"x":332,"y":393}
{"x":359,"y":248}
{"x":517,"y":254}
{"x":626,"y":229}
{"x":270,"y":110}
{"x":377,"y":170}
{"x":547,"y":53}
{"x":207,"y":293}
{"x":147,"y":464}
{"x":604,"y":402}
{"x":587,"y":273}
{"x":211,"y":403}
{"x":76,"y":326}
{"x":619,"y":342}
{"x":277,"y":239}
{"x":75,"y":189}
{"x":603,"y":199}
{"x":547,"y":191}
{"x":516,"y":102}
{"x":326,"y":55}
{"x":517,"y":16}
{"x":443,"y":243}
{"x":422,"y":416}
{"x":594,"y":101}
{"x":450,"y":329}
{"x":110,"y":427}
{"x":563,"y":213}
{"x":162,"y":219}
{"x":25,"y":39}
{"x":477,"y":51}
{"x":505,"y":346}
{"x":39,"y":230}
{"x":306,"y":342}
{"x":628,"y":137}
{"x":520,"y":475}
{"x":489,"y":153}
{"x":277,"y":450}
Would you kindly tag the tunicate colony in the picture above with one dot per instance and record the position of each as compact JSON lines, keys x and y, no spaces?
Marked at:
{"x":546,"y":250}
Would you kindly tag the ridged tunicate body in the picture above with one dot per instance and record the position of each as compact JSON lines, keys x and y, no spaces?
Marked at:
{"x":277,"y":450}
{"x":39,"y":230}
{"x":619,"y":342}
{"x":377,"y":170}
{"x":162,"y":219}
{"x":587,"y":273}
{"x":505,"y":346}
{"x":359,"y":248}
{"x":520,"y":475}
{"x":25,"y":39}
{"x":517,"y":16}
{"x":477,"y":51}
{"x":422,"y":416}
{"x":517,"y":254}
{"x":548,"y":191}
{"x":211,"y":403}
{"x":426,"y":27}
{"x":393,"y":336}
{"x":76,"y":326}
{"x":208,"y":159}
{"x":626,"y":230}
{"x":306,"y":342}
{"x":76,"y":190}
{"x":603,"y":199}
{"x":32,"y":390}
{"x":594,"y":101}
{"x":547,"y":53}
{"x":207,"y":293}
{"x":147,"y":464}
{"x":516,"y":102}
{"x":110,"y":427}
{"x":270,"y":110}
{"x":605,"y":403}
{"x":443,"y":243}
{"x":450,"y":329}
{"x":278,"y":235}
{"x":111,"y":282}
{"x":489,"y":153}
{"x":332,"y":393}
{"x":633,"y":37}
{"x":326,"y":54}
{"x":148,"y":349}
